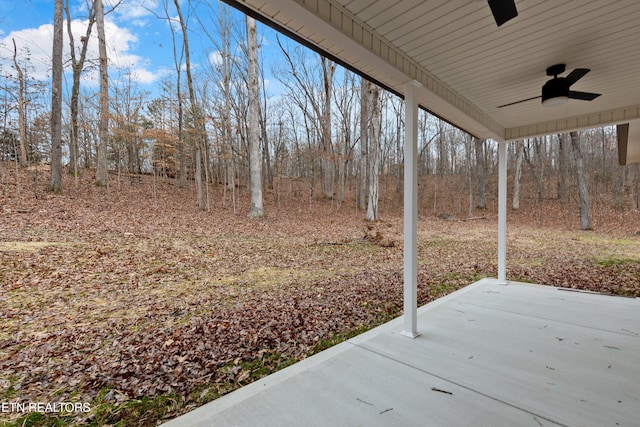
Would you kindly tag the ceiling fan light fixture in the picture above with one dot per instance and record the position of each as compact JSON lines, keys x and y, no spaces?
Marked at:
{"x":556,"y":101}
{"x":555,"y":92}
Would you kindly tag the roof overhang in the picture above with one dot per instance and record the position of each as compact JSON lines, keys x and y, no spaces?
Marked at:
{"x":466,"y":66}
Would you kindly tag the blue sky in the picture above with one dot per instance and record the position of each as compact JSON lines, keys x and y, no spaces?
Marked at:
{"x":138,"y":39}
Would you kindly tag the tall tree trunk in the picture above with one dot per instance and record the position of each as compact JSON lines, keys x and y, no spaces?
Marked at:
{"x":563,"y":166}
{"x":328,"y":68}
{"x":468,"y":144}
{"x":102,"y":174}
{"x":255,"y":159}
{"x":195,"y":111}
{"x":364,"y":142}
{"x":585,"y":222}
{"x":399,"y":150}
{"x":55,"y":183}
{"x":442,"y":151}
{"x":77,"y":66}
{"x":341,"y":164}
{"x":182,"y":157}
{"x":263,"y":114}
{"x":345,"y":134}
{"x":177,"y":63}
{"x":537,"y":143}
{"x":515,"y":204}
{"x":342,"y":154}
{"x":482,"y":181}
{"x":374,"y":155}
{"x":21,"y":104}
{"x":227,"y":148}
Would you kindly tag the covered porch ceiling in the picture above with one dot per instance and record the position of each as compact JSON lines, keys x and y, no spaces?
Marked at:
{"x":467,"y":66}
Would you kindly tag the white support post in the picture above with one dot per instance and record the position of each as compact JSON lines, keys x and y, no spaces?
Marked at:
{"x":411,"y":211}
{"x":502,"y":212}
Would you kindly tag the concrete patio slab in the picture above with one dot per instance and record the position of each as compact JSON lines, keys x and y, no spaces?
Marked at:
{"x":488,"y":355}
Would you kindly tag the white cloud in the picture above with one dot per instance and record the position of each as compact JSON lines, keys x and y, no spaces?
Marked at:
{"x":132,"y":10}
{"x":33,"y":50}
{"x":143,"y":76}
{"x":35,"y":46}
{"x":174,"y":22}
{"x":140,"y":23}
{"x":215,"y":58}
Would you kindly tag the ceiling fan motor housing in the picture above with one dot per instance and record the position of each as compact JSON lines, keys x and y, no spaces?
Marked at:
{"x":555,"y":88}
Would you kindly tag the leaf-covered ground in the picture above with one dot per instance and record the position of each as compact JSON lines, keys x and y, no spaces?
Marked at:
{"x":146,"y":307}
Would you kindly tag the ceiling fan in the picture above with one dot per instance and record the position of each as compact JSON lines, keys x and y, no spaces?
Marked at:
{"x":503,"y":10}
{"x":557,"y":91}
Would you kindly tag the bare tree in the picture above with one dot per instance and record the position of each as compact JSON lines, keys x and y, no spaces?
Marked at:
{"x":425,"y":165}
{"x":585,"y":222}
{"x":264,"y":113}
{"x":227,"y":138}
{"x":364,"y":141}
{"x":77,"y":66}
{"x":255,"y":160}
{"x":345,"y":106}
{"x":563,"y":166}
{"x":177,"y":63}
{"x":127,"y":124}
{"x":21,"y":107}
{"x":326,"y":142}
{"x":374,"y":154}
{"x":481,"y":175}
{"x":442,"y":149}
{"x":540,"y":150}
{"x":515,"y":203}
{"x":226,"y":71}
{"x":102,"y":172}
{"x":195,"y":111}
{"x":468,"y":148}
{"x":397,"y":105}
{"x":55,"y":183}
{"x":636,"y":186}
{"x":314,"y":100}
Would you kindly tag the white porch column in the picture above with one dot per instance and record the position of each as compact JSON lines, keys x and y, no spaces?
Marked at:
{"x":502,"y":212}
{"x":411,"y":210}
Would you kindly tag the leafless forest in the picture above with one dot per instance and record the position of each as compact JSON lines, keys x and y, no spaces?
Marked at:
{"x":328,"y":131}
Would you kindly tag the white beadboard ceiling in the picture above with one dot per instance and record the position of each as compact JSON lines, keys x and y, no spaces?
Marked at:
{"x":467,"y":65}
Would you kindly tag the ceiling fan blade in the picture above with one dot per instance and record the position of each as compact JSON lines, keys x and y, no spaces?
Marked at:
{"x":585,"y":96}
{"x":576,"y":75}
{"x":503,"y":10}
{"x":518,"y":102}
